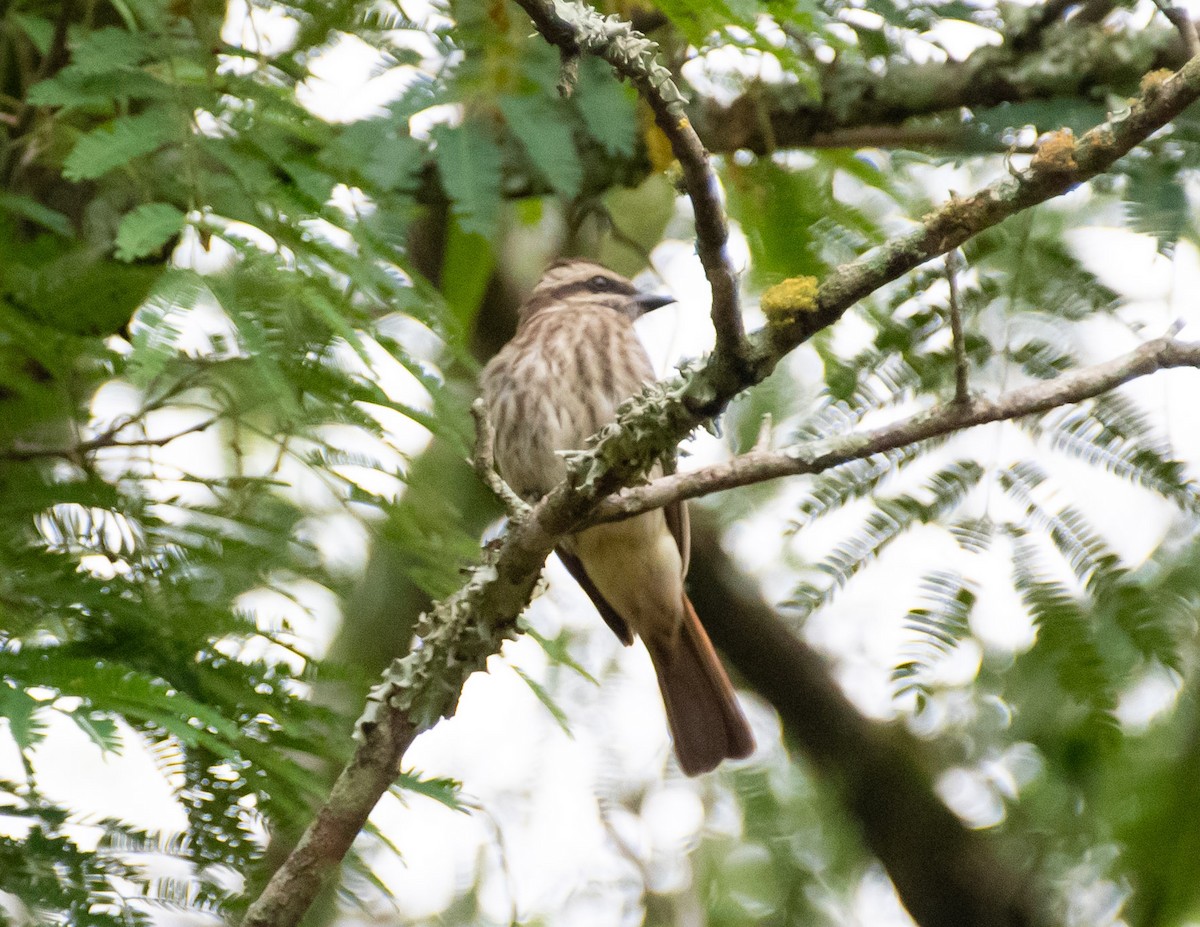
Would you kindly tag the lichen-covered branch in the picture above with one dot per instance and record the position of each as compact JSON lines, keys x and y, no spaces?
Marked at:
{"x":484,"y":463}
{"x":961,"y":385}
{"x":1061,"y":163}
{"x":460,"y":632}
{"x":758,"y":466}
{"x":1072,"y":60}
{"x":575,"y":27}
{"x":860,"y":105}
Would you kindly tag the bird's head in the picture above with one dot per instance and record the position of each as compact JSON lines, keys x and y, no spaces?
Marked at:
{"x":574,"y":282}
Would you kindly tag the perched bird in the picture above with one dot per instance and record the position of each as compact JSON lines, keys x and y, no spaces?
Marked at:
{"x":574,"y":359}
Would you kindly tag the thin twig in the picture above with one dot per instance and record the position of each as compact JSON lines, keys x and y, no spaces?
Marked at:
{"x":568,"y":75}
{"x":484,"y":462}
{"x":812,"y":457}
{"x":961,"y":388}
{"x":1179,"y":18}
{"x":633,"y":56}
{"x":105,"y":440}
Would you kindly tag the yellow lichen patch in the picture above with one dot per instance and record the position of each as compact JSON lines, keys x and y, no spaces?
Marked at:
{"x":658,"y":147}
{"x":784,"y":303}
{"x":1056,"y":152}
{"x":1152,"y":82}
{"x":1101,"y":136}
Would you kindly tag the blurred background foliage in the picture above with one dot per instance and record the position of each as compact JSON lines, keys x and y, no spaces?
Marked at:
{"x":242,"y":306}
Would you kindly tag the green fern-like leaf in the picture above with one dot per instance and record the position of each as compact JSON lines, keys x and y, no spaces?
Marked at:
{"x":116,"y":144}
{"x":468,"y":160}
{"x":544,"y":696}
{"x":145,"y":230}
{"x":973,"y":534}
{"x":857,"y":479}
{"x":940,"y":627}
{"x":607,"y":108}
{"x":877,"y":382}
{"x":547,"y":141}
{"x":1152,"y":621}
{"x":1085,"y":551}
{"x":1067,"y":637}
{"x":1109,"y":432}
{"x":941,"y":494}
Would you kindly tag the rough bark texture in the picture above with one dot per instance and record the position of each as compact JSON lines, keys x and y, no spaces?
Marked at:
{"x":757,"y":466}
{"x":1079,"y":61}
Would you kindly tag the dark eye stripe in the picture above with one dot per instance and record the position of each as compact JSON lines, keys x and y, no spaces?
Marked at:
{"x":588,"y":286}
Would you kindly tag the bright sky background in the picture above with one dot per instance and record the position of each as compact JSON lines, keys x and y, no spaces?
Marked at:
{"x":554,"y":828}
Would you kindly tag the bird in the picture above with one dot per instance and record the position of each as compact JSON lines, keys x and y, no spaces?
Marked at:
{"x":575,"y":357}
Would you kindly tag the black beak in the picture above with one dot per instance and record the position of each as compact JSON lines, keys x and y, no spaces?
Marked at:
{"x":648,"y":302}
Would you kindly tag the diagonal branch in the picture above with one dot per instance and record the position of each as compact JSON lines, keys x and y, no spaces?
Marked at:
{"x":946,"y":874}
{"x":1061,"y":163}
{"x":757,"y":466}
{"x":860,"y":101}
{"x":456,"y":637}
{"x":107,"y":439}
{"x":1178,"y":17}
{"x":576,"y":27}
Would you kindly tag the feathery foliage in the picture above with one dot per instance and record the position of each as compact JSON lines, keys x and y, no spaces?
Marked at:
{"x":241,"y":310}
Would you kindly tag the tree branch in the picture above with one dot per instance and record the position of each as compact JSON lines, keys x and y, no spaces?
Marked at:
{"x":1060,"y":164}
{"x":940,"y":136}
{"x":946,"y":874}
{"x":961,"y":386}
{"x":758,"y":466}
{"x":864,"y":106}
{"x":1073,"y":60}
{"x":104,"y":440}
{"x":1179,"y":18}
{"x":484,"y":463}
{"x":459,"y":633}
{"x":574,"y":27}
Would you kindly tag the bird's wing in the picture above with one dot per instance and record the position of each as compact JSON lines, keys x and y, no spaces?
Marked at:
{"x":607,"y":612}
{"x":678,"y":523}
{"x":680,"y":526}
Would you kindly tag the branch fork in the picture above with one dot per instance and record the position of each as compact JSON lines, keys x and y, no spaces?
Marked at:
{"x":484,"y":462}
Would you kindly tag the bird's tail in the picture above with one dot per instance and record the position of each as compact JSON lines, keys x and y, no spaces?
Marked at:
{"x":706,"y":721}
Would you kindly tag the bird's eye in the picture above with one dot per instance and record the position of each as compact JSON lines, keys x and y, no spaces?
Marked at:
{"x":600,"y":284}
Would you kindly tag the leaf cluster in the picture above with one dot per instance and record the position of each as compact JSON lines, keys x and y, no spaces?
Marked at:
{"x":200,"y":296}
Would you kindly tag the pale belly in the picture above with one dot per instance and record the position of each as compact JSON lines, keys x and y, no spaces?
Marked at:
{"x":636,"y":566}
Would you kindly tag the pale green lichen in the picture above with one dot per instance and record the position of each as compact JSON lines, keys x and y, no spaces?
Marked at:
{"x":646,"y":431}
{"x":785,"y":302}
{"x":623,"y":47}
{"x":452,"y":640}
